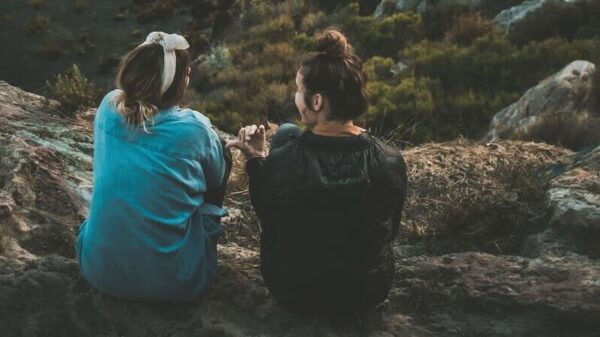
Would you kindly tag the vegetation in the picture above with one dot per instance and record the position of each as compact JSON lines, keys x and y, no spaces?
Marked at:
{"x":432,"y":76}
{"x":573,"y":131}
{"x":36,"y":4}
{"x":73,"y":90}
{"x":37,"y":24}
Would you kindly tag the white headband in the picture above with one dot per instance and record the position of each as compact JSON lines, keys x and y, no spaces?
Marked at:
{"x":170,"y":43}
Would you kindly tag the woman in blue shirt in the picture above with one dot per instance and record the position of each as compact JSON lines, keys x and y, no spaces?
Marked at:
{"x":159,"y":176}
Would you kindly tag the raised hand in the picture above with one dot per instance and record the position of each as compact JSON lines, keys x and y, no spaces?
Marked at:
{"x":251,"y":141}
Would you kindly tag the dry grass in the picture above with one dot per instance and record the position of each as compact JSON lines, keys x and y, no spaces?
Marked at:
{"x":465,"y":196}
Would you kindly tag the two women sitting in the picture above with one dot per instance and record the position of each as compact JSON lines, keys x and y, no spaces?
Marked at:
{"x":329,"y":198}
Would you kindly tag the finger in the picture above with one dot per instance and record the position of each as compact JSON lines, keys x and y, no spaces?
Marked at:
{"x":250,"y":131}
{"x":234,"y":143}
{"x":242,"y":135}
{"x":261,"y":129}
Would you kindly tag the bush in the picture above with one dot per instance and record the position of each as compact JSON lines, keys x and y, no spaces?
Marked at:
{"x":281,"y":28}
{"x":558,"y":19}
{"x":467,"y":28}
{"x":574,"y":131}
{"x":36,"y":4}
{"x":37,"y":24}
{"x":50,"y":49}
{"x":74,"y":91}
{"x":160,"y":10}
{"x":407,"y":107}
{"x":384,"y":37}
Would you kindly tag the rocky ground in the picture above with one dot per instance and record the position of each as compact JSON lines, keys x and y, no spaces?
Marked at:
{"x":498,"y":239}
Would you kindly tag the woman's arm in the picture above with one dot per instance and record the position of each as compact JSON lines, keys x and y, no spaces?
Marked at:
{"x":251,"y":141}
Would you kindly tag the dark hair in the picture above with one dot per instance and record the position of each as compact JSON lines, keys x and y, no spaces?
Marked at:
{"x":335,"y":72}
{"x":140,"y":80}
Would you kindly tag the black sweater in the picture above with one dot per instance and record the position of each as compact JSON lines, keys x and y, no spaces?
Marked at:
{"x":330,"y":208}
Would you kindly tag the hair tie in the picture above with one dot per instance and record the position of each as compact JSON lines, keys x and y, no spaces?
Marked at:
{"x":170,"y":43}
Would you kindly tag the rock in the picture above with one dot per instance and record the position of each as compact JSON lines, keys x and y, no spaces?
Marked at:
{"x":574,"y":197}
{"x":45,"y":176}
{"x":562,"y":93}
{"x":45,"y":179}
{"x":508,"y":17}
{"x":421,"y":6}
{"x":515,"y":291}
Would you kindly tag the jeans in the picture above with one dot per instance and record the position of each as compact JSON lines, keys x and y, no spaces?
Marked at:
{"x":285,"y":133}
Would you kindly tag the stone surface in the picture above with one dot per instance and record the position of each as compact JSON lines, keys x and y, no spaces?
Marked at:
{"x":45,"y":176}
{"x":562,"y":93}
{"x":508,"y":17}
{"x":574,"y":196}
{"x":421,"y":6}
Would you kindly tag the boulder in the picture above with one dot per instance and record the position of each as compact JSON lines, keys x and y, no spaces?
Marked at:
{"x":574,"y":196}
{"x":512,"y":15}
{"x":508,"y":17}
{"x":421,"y":6}
{"x":565,"y":92}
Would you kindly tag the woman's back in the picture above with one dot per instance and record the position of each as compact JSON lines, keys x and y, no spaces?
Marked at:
{"x":331,"y":207}
{"x":148,"y":235}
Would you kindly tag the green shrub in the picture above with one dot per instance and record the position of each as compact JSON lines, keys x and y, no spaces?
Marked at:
{"x":37,"y":24}
{"x":574,"y":131}
{"x":160,"y":10}
{"x":384,"y":37}
{"x":558,"y":19}
{"x":36,"y":4}
{"x":80,"y":5}
{"x":281,"y":28}
{"x":379,"y":68}
{"x":50,"y":49}
{"x":466,"y":28}
{"x":409,"y":105}
{"x":73,"y":90}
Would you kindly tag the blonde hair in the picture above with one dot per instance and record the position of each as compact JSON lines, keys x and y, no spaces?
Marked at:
{"x":140,"y":80}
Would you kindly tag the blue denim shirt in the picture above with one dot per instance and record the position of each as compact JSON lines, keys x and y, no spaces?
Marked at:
{"x":149,"y":234}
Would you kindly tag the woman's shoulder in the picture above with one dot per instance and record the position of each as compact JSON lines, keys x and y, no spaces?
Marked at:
{"x":109,"y":98}
{"x":191,"y":122}
{"x":193,"y":118}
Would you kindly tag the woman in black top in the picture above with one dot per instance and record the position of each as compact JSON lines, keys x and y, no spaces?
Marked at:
{"x":329,"y":198}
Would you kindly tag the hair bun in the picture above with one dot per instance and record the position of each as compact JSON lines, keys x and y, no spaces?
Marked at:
{"x":333,"y":43}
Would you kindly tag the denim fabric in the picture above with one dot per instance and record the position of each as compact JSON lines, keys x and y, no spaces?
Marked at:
{"x":149,"y":234}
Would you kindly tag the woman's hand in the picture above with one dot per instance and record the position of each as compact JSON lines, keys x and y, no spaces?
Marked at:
{"x":251,"y":141}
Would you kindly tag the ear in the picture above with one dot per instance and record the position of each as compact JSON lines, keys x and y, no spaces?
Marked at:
{"x":317,"y":102}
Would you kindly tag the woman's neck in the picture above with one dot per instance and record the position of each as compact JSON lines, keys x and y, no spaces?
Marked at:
{"x":336,"y":128}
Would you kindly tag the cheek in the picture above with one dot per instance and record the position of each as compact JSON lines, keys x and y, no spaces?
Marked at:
{"x":299,"y":100}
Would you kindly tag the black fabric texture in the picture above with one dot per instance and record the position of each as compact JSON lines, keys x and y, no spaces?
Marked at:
{"x":330,"y":208}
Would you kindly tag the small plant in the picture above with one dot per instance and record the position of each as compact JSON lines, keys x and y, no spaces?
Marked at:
{"x":73,"y":90}
{"x":36,"y":4}
{"x":157,"y":11}
{"x":37,"y":24}
{"x":80,"y":5}
{"x":468,"y":27}
{"x":50,"y":50}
